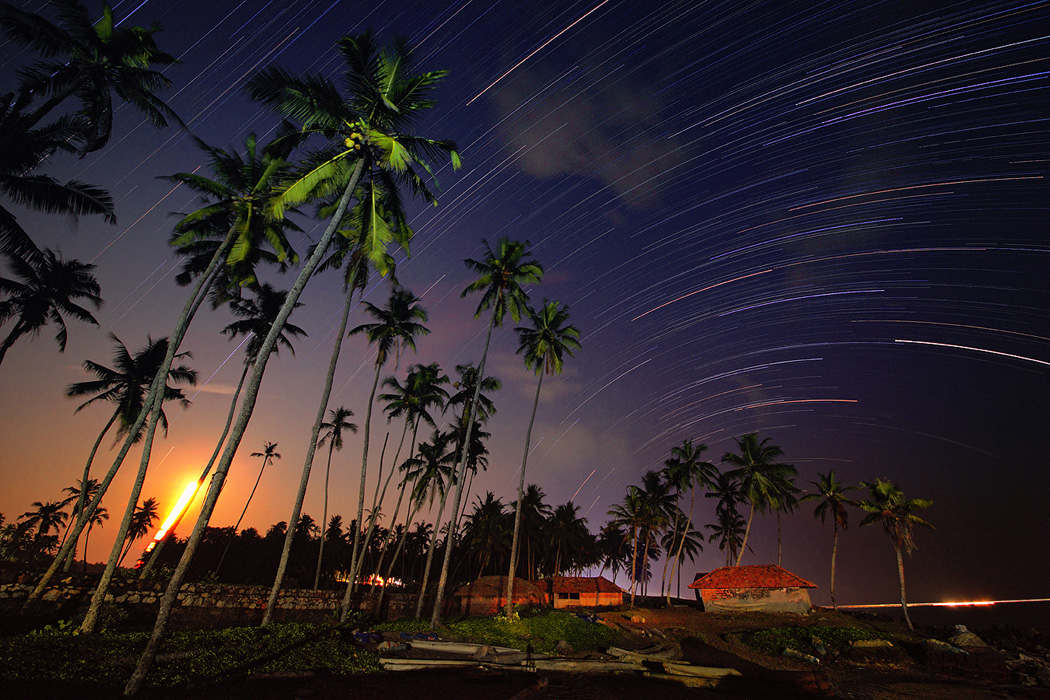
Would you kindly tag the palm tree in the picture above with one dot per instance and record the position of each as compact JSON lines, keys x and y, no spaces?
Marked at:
{"x":762,"y":480}
{"x":268,"y":455}
{"x":43,"y":293}
{"x":729,"y":525}
{"x":486,"y":531}
{"x":630,"y":514}
{"x":421,"y":392}
{"x":887,"y":505}
{"x":684,"y":540}
{"x":535,"y":514}
{"x":659,"y":509}
{"x":254,"y":318}
{"x":97,"y":517}
{"x":22,"y":151}
{"x":47,"y":516}
{"x":685,"y":470}
{"x":432,"y":473}
{"x":90,"y":59}
{"x":567,"y":537}
{"x":126,"y":385}
{"x":832,"y":496}
{"x":367,"y":129}
{"x":543,"y":347}
{"x":145,"y":515}
{"x":395,"y":328}
{"x":247,"y":212}
{"x":338,"y":421}
{"x":502,"y":274}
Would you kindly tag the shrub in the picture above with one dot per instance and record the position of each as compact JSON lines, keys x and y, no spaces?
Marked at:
{"x":776,"y":640}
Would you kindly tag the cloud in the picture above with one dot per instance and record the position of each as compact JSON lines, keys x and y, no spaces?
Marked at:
{"x":609,"y":129}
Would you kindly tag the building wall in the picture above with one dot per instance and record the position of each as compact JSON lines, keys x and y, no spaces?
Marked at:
{"x":793,"y":600}
{"x":592,"y":599}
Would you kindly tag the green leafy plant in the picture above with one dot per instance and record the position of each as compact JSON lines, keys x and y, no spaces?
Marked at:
{"x":776,"y":640}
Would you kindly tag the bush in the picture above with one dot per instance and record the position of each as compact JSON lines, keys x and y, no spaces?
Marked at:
{"x":185,"y":657}
{"x":543,"y":630}
{"x":776,"y":640}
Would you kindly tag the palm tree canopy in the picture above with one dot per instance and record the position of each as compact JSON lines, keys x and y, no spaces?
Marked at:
{"x":269,"y":452}
{"x":545,"y":344}
{"x":832,"y":496}
{"x":127,"y":383}
{"x":503,"y":271}
{"x":764,"y":482}
{"x":421,"y":391}
{"x":468,"y":379}
{"x":368,"y":127}
{"x":43,"y":293}
{"x":396,"y":325}
{"x":332,"y":429}
{"x":91,"y":59}
{"x":256,"y":316}
{"x":888,"y":505}
{"x":46,"y":516}
{"x":237,"y":197}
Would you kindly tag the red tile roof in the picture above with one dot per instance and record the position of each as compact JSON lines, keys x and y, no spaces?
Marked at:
{"x":583,"y":584}
{"x":754,"y":576}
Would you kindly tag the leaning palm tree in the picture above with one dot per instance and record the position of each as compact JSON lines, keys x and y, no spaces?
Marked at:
{"x":833,"y":499}
{"x":43,"y":293}
{"x":246,"y":218}
{"x":367,"y":129}
{"x":338,"y":421}
{"x":98,"y":517}
{"x":254,"y":315}
{"x":887,"y":505}
{"x":543,"y":346}
{"x":268,"y":455}
{"x":762,"y":480}
{"x":503,"y":273}
{"x":126,"y":385}
{"x":395,"y":328}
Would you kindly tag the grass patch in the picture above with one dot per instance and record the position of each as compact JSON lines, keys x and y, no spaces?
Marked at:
{"x":776,"y":640}
{"x":185,"y":657}
{"x":543,"y":630}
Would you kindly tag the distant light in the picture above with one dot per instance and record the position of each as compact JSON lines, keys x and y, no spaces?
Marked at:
{"x":950,"y":603}
{"x":176,"y":512}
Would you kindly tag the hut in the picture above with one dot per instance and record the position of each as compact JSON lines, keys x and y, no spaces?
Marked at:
{"x":488,"y":594}
{"x":583,"y":592}
{"x":760,"y":587}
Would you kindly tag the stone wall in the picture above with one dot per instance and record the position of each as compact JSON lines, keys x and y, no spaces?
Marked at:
{"x":200,"y":604}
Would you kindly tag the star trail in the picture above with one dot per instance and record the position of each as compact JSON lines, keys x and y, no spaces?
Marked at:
{"x":826,"y":222}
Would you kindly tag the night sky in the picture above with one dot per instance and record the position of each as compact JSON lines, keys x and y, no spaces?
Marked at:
{"x":822,"y":221}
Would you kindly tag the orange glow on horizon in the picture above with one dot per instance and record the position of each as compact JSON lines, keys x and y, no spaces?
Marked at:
{"x":952,"y":603}
{"x":180,"y":507}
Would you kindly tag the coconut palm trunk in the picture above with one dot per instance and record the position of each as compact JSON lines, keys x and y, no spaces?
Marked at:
{"x":677,"y":564}
{"x":747,"y":532}
{"x":379,"y":497}
{"x":247,"y":406}
{"x":461,"y":474}
{"x":900,"y":577}
{"x":834,"y":552}
{"x":354,"y":565}
{"x":324,"y":515}
{"x":518,"y":508}
{"x":155,"y":554}
{"x":155,"y":395}
{"x":237,"y":524}
{"x":315,"y":430}
{"x":430,"y":556}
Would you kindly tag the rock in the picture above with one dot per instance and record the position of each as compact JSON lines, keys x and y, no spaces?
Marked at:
{"x":792,"y":654}
{"x":563,"y":647}
{"x":818,"y":646}
{"x":965,"y":638}
{"x":637,"y":618}
{"x":871,"y":650}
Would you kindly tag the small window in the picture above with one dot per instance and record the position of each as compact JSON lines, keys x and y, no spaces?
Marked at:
{"x":574,"y":596}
